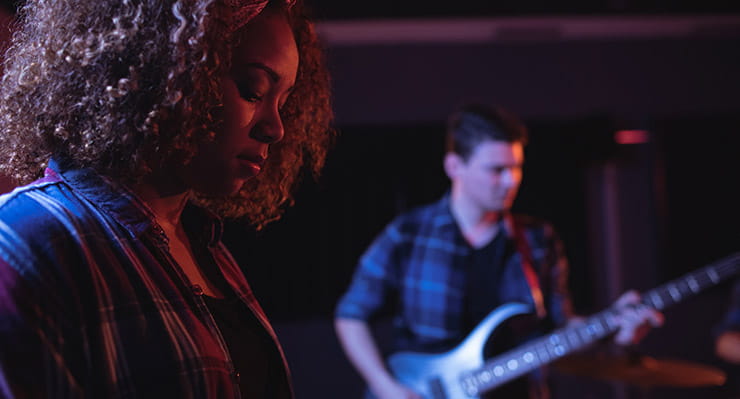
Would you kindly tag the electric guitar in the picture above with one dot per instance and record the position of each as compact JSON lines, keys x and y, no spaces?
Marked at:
{"x":461,"y":373}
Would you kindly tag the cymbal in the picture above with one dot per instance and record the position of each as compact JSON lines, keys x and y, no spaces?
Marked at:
{"x":644,"y":371}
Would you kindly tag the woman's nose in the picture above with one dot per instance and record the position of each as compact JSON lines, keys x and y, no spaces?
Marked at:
{"x":269,"y":128}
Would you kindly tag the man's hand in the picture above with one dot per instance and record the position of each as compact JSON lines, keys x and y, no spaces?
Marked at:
{"x":393,"y":390}
{"x":727,"y":346}
{"x":634,"y":319}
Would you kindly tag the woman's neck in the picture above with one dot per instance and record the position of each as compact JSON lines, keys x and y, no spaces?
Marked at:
{"x":165,"y":199}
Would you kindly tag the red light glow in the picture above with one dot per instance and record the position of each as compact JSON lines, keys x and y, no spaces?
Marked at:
{"x":631,"y":136}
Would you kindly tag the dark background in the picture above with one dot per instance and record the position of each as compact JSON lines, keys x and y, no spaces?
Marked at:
{"x":345,"y":10}
{"x":631,"y":216}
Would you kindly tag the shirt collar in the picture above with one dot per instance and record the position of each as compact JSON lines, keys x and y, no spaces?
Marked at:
{"x":442,"y":214}
{"x":126,"y":207}
{"x":113,"y":198}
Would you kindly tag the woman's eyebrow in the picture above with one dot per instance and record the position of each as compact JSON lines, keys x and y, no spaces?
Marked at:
{"x":270,"y":72}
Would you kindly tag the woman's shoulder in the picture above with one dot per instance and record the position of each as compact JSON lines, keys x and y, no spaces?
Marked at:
{"x":29,"y":205}
{"x":38,"y":222}
{"x":39,"y":203}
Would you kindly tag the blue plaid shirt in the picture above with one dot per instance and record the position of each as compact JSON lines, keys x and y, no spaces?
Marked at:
{"x":417,"y":268}
{"x":93,"y":305}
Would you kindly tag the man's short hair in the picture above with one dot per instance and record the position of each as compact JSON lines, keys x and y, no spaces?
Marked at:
{"x":474,"y":123}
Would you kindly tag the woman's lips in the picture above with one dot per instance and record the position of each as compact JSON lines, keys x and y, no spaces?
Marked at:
{"x":251,"y":164}
{"x":255,"y":159}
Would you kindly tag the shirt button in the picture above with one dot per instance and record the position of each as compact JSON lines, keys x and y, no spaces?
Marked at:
{"x":236,"y":376}
{"x":197,"y":290}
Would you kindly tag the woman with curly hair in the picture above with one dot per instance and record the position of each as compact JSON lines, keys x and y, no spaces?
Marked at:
{"x":136,"y":125}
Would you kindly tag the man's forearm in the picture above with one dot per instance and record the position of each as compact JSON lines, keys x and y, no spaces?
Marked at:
{"x":361,"y":349}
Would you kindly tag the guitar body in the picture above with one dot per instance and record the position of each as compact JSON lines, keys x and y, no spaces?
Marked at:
{"x":438,"y":376}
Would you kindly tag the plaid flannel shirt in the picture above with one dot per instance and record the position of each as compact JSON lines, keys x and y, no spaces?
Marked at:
{"x":93,"y":305}
{"x":417,"y":268}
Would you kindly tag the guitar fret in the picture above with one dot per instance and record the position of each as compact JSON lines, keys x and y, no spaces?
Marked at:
{"x":713,"y":275}
{"x":594,"y":329}
{"x":611,"y":325}
{"x":580,"y":340}
{"x":665,"y":297}
{"x":587,"y":333}
{"x":542,"y":353}
{"x":684,"y":288}
{"x":557,"y":347}
{"x":657,"y":301}
{"x":675,"y":294}
{"x":693,"y":285}
{"x":573,"y":340}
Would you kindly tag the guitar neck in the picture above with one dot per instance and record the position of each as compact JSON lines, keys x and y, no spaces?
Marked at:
{"x":561,"y":342}
{"x":687,"y":286}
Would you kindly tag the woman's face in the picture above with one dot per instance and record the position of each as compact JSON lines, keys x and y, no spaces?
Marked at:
{"x":263,"y":72}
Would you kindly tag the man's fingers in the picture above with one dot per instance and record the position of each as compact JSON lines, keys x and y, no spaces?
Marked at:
{"x":650,"y":315}
{"x":630,"y":297}
{"x":635,"y":321}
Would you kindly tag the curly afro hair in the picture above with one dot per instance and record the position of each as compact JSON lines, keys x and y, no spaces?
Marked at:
{"x":127,"y":86}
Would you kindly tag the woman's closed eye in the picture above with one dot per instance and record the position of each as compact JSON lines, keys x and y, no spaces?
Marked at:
{"x":247,"y":93}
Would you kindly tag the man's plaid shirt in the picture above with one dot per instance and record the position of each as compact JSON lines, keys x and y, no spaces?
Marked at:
{"x":417,"y":269}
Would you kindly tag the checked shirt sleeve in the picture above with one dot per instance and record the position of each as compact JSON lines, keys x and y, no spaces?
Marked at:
{"x":375,"y":278}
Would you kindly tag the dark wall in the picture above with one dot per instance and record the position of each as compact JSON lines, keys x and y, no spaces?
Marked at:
{"x":338,"y":9}
{"x":624,"y":79}
{"x":675,"y":201}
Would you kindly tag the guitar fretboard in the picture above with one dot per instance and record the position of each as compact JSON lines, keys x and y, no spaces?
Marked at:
{"x":537,"y":353}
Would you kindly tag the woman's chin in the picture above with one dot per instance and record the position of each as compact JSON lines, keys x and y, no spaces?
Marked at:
{"x":221,"y":189}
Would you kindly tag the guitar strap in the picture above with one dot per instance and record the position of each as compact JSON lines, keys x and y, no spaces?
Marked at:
{"x":526,"y":261}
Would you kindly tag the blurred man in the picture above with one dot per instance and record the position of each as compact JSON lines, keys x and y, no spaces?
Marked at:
{"x":442,"y":268}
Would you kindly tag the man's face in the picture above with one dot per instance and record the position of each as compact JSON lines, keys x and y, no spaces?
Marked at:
{"x":490,"y":178}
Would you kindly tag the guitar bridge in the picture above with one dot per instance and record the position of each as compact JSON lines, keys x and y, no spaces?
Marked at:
{"x":469,"y":385}
{"x":437,"y":389}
